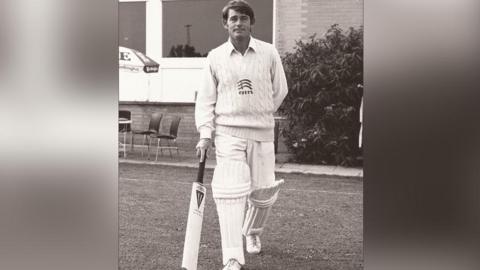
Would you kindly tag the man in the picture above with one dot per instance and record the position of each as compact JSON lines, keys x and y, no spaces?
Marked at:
{"x":244,"y":85}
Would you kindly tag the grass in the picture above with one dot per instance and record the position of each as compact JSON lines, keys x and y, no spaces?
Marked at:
{"x":317,"y":222}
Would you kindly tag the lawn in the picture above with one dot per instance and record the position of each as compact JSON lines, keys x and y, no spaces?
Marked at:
{"x":317,"y":222}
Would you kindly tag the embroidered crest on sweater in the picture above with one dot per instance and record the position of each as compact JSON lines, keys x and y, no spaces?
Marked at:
{"x":244,"y":87}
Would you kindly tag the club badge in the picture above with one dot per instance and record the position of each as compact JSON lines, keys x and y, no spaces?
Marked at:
{"x":245,"y":87}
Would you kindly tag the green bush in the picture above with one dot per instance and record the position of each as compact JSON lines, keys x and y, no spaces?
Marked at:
{"x":325,"y":76}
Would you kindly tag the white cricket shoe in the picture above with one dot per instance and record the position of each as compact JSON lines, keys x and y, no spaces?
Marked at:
{"x":253,"y":244}
{"x":232,"y":264}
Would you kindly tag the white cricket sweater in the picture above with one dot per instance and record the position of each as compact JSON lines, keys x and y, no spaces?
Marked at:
{"x":240,"y":93}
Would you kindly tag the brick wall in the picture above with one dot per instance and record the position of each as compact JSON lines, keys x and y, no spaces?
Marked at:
{"x":141,"y":111}
{"x":187,"y":133}
{"x":299,"y":19}
{"x":290,"y":18}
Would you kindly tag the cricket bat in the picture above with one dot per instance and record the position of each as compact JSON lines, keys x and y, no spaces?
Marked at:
{"x":195,"y":219}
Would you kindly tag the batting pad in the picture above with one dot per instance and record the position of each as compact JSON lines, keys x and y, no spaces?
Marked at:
{"x":260,"y":202}
{"x":231,"y":179}
{"x":230,"y":187}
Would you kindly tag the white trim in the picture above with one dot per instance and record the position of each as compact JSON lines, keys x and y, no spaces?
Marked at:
{"x":132,"y":0}
{"x":154,"y":29}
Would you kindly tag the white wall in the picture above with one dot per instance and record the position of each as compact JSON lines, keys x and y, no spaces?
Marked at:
{"x":133,"y":86}
{"x":176,"y":81}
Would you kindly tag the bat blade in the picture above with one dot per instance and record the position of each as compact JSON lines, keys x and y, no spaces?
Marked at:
{"x":194,"y":227}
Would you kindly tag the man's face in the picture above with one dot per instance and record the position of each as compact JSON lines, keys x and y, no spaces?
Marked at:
{"x":238,"y":24}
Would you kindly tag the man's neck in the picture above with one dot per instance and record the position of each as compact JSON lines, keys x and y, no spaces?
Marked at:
{"x":241,"y":44}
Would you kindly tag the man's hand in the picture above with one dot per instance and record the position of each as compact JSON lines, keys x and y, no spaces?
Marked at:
{"x":202,"y":147}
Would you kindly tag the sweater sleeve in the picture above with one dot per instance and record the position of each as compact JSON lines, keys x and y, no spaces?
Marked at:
{"x":279,"y":81}
{"x":205,"y":102}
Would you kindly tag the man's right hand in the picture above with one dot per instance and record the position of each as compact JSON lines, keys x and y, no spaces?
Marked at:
{"x":202,"y":147}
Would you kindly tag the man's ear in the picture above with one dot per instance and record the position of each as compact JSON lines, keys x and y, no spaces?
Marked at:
{"x":224,"y":23}
{"x":252,"y":21}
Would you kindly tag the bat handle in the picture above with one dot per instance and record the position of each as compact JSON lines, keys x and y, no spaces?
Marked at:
{"x":201,"y":168}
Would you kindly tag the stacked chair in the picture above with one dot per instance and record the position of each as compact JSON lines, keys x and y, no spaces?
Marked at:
{"x":170,"y":138}
{"x":152,"y":130}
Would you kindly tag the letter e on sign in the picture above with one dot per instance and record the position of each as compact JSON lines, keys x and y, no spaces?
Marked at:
{"x":124,"y":56}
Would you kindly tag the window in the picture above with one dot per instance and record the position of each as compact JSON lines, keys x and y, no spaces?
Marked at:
{"x":198,"y":23}
{"x":131,"y":25}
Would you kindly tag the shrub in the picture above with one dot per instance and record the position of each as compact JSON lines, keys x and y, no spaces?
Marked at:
{"x":322,"y":108}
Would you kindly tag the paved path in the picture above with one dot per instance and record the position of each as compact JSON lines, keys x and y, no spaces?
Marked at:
{"x":188,"y":160}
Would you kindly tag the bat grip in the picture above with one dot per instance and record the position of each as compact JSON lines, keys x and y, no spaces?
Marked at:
{"x":201,"y":168}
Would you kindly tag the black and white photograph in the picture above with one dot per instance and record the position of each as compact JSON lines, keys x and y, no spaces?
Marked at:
{"x":240,"y":140}
{"x":240,"y":134}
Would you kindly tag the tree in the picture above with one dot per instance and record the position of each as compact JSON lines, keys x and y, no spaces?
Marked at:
{"x":183,"y":51}
{"x":322,"y":107}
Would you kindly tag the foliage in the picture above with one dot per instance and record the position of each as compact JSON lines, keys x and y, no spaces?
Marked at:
{"x":325,"y":76}
{"x":184,"y":51}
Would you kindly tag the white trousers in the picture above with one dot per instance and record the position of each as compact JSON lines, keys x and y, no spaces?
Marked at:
{"x":242,"y":165}
{"x":258,"y":156}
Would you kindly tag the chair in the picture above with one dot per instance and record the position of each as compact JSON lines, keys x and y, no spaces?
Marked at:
{"x":124,"y":128}
{"x":153,"y":128}
{"x":172,"y":136}
{"x":124,"y":115}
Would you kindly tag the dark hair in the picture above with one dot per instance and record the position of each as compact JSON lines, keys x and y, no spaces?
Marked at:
{"x":240,"y":6}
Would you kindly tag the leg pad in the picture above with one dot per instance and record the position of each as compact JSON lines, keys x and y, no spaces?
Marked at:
{"x":260,"y":202}
{"x":230,"y":187}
